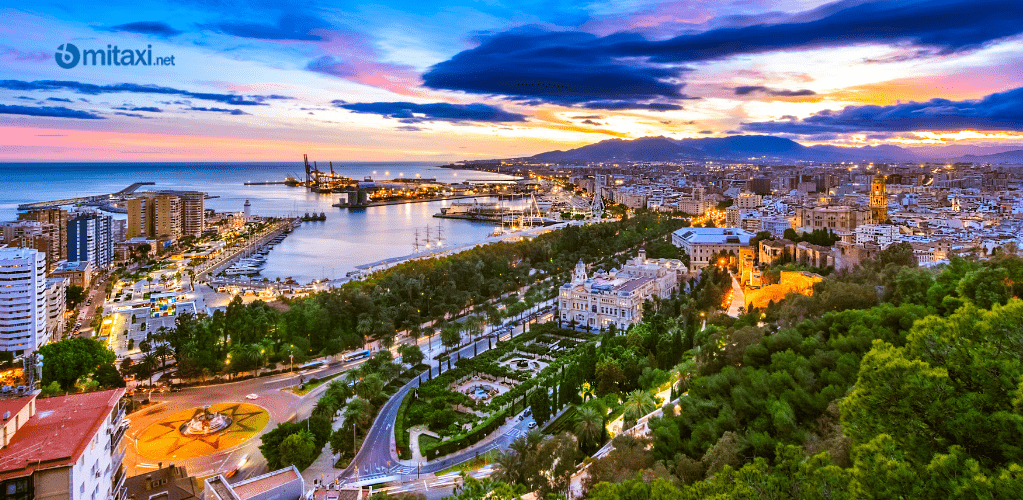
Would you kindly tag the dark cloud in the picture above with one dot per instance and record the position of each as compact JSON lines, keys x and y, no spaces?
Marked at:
{"x":221,"y":110}
{"x":564,"y":68}
{"x":58,"y":99}
{"x":88,"y":88}
{"x":150,"y":109}
{"x":946,"y":26}
{"x":408,"y":112}
{"x":53,"y":112}
{"x":588,"y":117}
{"x":590,"y":122}
{"x":760,"y":89}
{"x":706,"y":132}
{"x":154,"y":28}
{"x":1001,"y":111}
{"x":409,"y":128}
{"x":133,"y":115}
{"x":625,"y":105}
{"x":271,"y":97}
{"x":299,"y":27}
{"x":338,"y":102}
{"x":572,"y":68}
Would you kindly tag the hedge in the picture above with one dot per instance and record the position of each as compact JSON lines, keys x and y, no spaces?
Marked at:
{"x":475,"y":435}
{"x":401,"y":435}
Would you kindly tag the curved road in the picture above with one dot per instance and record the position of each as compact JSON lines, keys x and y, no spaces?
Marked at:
{"x":378,"y":457}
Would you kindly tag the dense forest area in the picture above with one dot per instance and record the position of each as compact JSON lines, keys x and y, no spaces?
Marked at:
{"x":891,"y":381}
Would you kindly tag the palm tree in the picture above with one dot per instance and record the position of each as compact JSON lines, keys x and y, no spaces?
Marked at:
{"x":637,"y":404}
{"x":371,"y":385}
{"x":162,"y":351}
{"x":589,"y":426}
{"x":148,"y":365}
{"x":358,"y":412}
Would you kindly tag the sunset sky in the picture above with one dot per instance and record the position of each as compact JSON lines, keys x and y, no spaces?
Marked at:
{"x":432,"y":81}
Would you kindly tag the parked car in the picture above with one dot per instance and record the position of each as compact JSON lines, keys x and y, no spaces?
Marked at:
{"x":252,"y":396}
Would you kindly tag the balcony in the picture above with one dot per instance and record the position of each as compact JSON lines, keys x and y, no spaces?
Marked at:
{"x":116,"y":435}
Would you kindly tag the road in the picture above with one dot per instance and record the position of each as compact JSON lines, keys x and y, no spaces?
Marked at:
{"x":378,"y":457}
{"x":281,"y":405}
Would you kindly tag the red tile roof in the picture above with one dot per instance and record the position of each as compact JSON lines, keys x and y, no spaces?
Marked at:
{"x":267,"y":482}
{"x":13,"y":405}
{"x":56,"y":436}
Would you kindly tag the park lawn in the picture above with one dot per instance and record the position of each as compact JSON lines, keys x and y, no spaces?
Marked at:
{"x":473,"y":464}
{"x":427,"y":440}
{"x":309,"y":386}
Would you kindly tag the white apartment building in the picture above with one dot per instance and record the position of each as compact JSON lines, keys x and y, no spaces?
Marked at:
{"x":882,"y":234}
{"x":56,"y":306}
{"x":702,"y":243}
{"x":23,"y":314}
{"x":617,"y":297}
{"x":68,"y":447}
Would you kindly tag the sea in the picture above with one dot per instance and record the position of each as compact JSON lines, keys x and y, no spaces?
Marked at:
{"x":316,"y":250}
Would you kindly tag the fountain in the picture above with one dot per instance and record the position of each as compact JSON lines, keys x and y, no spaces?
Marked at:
{"x":205,"y":423}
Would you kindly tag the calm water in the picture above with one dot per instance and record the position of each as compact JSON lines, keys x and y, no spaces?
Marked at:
{"x":316,"y":250}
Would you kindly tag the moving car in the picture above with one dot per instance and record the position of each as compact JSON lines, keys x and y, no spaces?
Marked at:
{"x":252,"y":396}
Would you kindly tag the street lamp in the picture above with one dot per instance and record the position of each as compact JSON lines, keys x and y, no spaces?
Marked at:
{"x":292,"y":361}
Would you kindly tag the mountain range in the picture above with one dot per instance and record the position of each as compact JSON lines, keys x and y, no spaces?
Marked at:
{"x":763,"y":148}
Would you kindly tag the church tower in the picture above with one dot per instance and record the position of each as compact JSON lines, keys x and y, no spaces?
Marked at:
{"x":580,"y":272}
{"x":878,"y":199}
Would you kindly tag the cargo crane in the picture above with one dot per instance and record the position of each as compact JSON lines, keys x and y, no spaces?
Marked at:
{"x":319,"y":181}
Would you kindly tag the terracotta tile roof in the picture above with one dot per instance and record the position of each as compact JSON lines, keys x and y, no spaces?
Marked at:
{"x":56,"y":436}
{"x":13,"y":405}
{"x":267,"y":482}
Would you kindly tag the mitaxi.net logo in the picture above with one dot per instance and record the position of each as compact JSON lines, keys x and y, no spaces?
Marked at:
{"x":68,"y":56}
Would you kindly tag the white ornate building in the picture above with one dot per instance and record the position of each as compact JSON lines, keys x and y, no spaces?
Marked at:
{"x":617,"y":297}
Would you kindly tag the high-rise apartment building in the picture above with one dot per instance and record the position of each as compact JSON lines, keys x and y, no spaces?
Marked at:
{"x":193,"y":213}
{"x":59,"y":219}
{"x":23,"y":313}
{"x":166,"y":215}
{"x":41,"y":236}
{"x":90,"y":239}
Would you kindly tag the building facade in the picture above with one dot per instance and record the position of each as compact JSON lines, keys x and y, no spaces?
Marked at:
{"x":67,"y":447}
{"x":701,"y":244}
{"x":617,"y":297}
{"x":90,"y":239}
{"x":23,"y":313}
{"x":841,"y":220}
{"x":878,"y":199}
{"x":56,"y":306}
{"x":166,"y":215}
{"x":881,"y":234}
{"x":59,"y":219}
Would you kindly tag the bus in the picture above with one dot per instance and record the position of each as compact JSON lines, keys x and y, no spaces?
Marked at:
{"x":356,"y":355}
{"x":313,"y":364}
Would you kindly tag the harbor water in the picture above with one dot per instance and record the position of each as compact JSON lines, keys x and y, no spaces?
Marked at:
{"x":316,"y":250}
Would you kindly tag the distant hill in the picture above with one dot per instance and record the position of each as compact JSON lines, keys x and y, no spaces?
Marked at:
{"x":736,"y":147}
{"x":1006,"y":157}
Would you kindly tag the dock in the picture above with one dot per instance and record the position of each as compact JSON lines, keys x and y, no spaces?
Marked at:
{"x":99,"y":198}
{"x":413,"y":200}
{"x":266,"y":183}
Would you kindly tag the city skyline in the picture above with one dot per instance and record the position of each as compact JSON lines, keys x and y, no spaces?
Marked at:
{"x":393,"y":81}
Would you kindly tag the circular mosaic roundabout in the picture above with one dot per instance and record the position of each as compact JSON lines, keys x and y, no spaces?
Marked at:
{"x":166,"y":439}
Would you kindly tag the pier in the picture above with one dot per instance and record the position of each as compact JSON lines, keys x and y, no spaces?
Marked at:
{"x":99,"y":198}
{"x":232,"y":254}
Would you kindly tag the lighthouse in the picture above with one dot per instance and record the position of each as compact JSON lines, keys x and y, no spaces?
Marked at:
{"x":247,"y":211}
